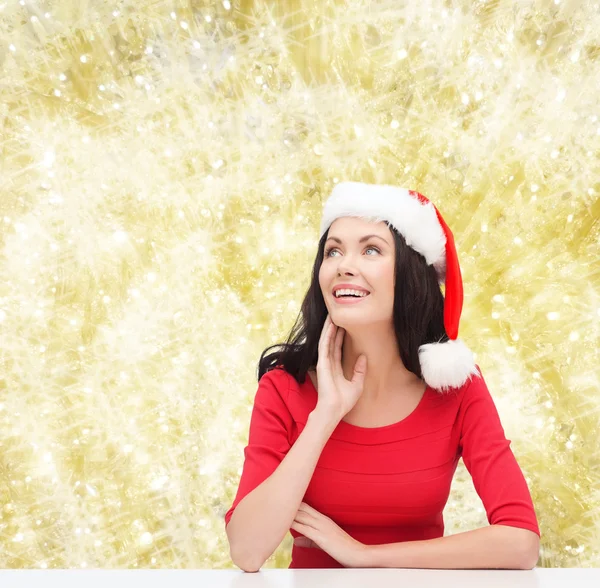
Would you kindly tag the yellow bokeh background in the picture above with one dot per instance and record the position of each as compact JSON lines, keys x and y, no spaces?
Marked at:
{"x":164,"y":165}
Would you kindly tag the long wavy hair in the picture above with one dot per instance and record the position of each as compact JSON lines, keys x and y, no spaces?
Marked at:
{"x":418,"y":315}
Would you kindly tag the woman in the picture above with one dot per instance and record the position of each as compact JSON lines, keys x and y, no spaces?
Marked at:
{"x":357,"y":459}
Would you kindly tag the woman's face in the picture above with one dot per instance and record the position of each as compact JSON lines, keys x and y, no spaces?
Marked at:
{"x":366,"y":263}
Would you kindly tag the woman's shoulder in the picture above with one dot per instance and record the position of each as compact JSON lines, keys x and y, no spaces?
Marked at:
{"x":281,"y":379}
{"x":472,"y":390}
{"x":300,"y":397}
{"x":276,"y":377}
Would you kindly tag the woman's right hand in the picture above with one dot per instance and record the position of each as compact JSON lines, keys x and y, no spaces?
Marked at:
{"x":336,"y":393}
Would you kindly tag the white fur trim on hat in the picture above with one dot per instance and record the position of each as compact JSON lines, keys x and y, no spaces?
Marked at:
{"x":415,"y":221}
{"x":447,"y":365}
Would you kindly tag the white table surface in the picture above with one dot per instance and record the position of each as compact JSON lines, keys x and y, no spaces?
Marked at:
{"x":303,"y":578}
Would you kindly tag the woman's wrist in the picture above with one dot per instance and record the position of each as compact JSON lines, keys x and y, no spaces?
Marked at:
{"x":328,"y":416}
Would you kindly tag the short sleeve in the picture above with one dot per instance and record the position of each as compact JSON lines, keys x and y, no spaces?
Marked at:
{"x":269,"y":434}
{"x":487,"y":455}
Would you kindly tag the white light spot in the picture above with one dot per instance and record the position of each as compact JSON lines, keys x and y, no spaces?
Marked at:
{"x":159,"y":482}
{"x":146,"y":538}
{"x":49,"y":158}
{"x":120,"y":236}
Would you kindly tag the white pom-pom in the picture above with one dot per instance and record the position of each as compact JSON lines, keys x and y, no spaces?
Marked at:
{"x":447,"y":365}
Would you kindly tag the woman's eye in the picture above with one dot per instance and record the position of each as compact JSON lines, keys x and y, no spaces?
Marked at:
{"x":333,"y":249}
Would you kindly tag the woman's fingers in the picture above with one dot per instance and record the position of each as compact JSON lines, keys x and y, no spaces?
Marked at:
{"x":305,"y":542}
{"x":308,"y":508}
{"x":323,"y":341}
{"x":305,"y":518}
{"x":337,"y":353}
{"x":332,"y":340}
{"x":323,"y":332}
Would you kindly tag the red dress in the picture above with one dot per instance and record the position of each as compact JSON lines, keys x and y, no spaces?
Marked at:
{"x":389,"y":484}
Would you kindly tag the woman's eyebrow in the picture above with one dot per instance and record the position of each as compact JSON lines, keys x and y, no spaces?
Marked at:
{"x":361,"y":240}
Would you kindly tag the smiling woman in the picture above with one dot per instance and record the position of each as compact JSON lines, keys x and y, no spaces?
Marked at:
{"x":412,"y":306}
{"x":405,"y":326}
{"x":374,"y":495}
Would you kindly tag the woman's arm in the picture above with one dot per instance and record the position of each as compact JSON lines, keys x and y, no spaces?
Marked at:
{"x":263,"y":517}
{"x":493,"y":547}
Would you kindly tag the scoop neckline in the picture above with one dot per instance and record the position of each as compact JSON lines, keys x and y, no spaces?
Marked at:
{"x":350,"y":429}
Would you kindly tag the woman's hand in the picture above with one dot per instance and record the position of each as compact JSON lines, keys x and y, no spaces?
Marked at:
{"x":335,"y":391}
{"x":320,"y":532}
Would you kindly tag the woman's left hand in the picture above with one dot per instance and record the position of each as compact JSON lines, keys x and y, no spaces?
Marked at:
{"x":320,"y":532}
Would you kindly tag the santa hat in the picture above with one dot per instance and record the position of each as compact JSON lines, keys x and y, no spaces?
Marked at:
{"x":443,"y":365}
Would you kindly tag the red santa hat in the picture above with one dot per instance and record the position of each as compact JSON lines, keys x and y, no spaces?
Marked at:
{"x":443,"y":365}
